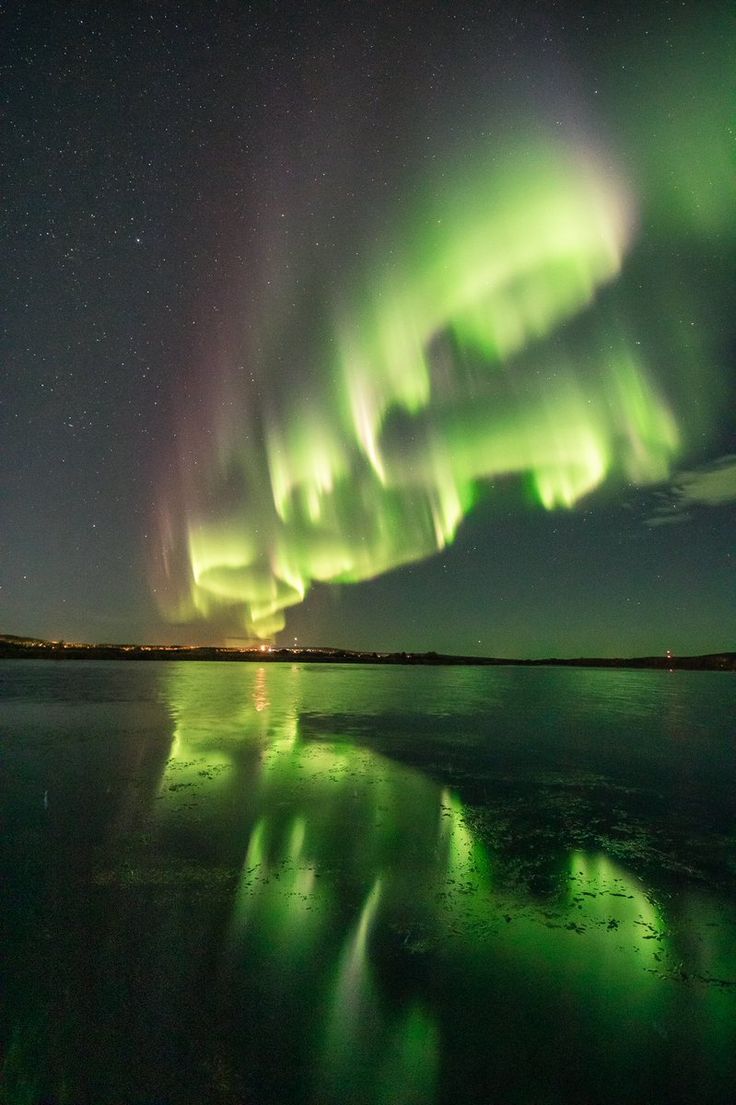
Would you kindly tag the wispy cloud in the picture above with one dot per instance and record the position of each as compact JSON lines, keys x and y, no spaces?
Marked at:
{"x":711,"y":484}
{"x":669,"y":519}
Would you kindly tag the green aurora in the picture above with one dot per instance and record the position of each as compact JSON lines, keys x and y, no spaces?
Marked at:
{"x":485,"y":338}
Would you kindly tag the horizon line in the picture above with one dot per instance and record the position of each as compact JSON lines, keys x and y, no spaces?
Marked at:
{"x":264,"y":651}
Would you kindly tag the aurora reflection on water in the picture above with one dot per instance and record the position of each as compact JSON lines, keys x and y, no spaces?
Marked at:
{"x":301,"y":884}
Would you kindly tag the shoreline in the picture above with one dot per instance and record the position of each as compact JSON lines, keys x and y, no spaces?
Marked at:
{"x":14,"y":648}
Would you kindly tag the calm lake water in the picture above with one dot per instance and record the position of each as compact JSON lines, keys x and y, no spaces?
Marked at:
{"x":328,"y":884}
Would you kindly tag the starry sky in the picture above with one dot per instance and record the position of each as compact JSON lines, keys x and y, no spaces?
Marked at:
{"x":383,"y":326}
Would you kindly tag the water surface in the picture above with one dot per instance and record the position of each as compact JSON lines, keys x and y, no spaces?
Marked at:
{"x":328,"y":884}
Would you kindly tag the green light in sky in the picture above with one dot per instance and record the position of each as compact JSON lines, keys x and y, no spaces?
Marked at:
{"x":434,"y":374}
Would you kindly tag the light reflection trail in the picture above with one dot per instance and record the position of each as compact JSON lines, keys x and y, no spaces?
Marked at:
{"x":345,"y":852}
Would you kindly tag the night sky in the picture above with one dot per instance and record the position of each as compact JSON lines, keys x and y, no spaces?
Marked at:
{"x":384,"y":326}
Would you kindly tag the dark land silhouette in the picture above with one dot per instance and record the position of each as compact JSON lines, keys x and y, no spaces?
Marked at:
{"x":26,"y":648}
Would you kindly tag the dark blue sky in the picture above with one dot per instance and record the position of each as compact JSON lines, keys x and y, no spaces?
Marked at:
{"x":143,"y":144}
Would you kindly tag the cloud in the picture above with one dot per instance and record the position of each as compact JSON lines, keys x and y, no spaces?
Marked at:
{"x":667,"y":519}
{"x":711,"y":484}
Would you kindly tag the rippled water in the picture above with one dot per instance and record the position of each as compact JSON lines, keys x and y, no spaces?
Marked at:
{"x":329,"y":884}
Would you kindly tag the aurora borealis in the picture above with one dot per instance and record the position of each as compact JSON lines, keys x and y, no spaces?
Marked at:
{"x":425,"y":401}
{"x":442,"y":313}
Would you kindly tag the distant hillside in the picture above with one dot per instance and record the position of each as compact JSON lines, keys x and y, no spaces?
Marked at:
{"x":16,"y":647}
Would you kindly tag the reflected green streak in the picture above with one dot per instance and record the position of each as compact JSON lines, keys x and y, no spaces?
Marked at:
{"x":240,"y":902}
{"x":410,"y":860}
